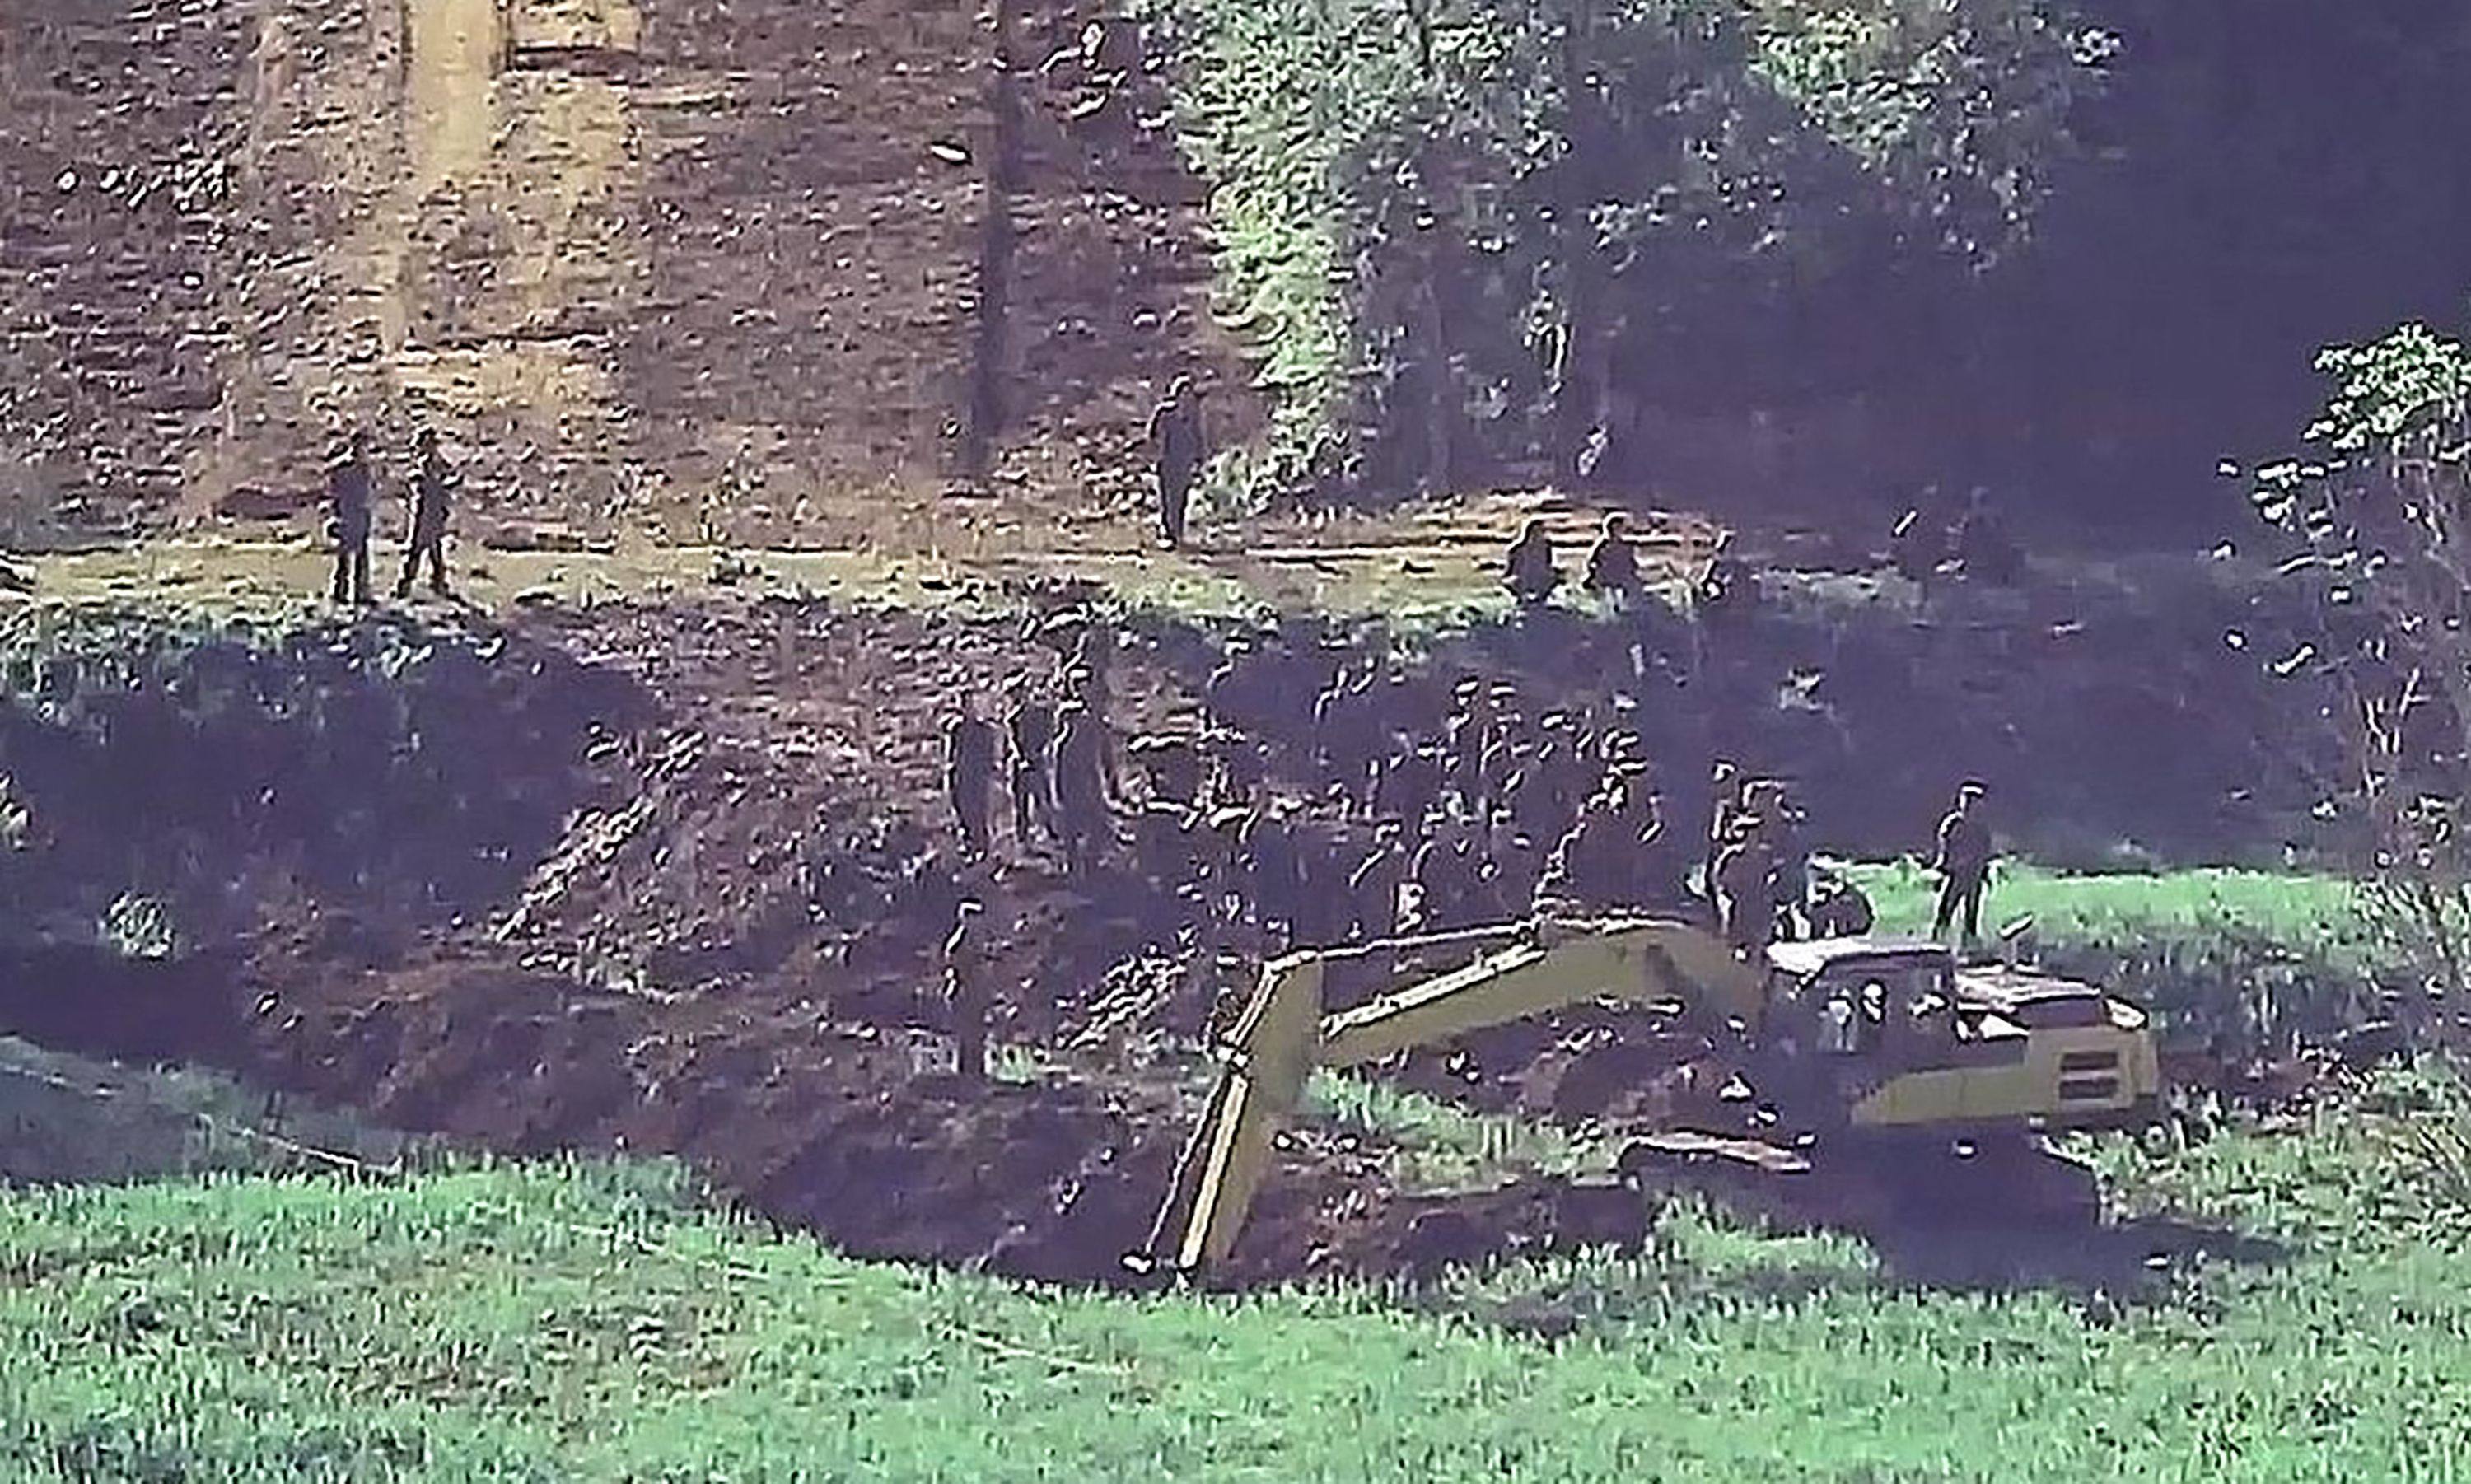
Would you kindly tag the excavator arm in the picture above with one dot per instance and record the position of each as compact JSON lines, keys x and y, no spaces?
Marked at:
{"x":1283,"y":1035}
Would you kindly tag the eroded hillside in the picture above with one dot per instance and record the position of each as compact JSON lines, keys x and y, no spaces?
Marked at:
{"x":674,"y":266}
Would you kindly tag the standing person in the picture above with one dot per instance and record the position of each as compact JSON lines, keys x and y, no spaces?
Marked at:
{"x":349,"y":488}
{"x":966,"y":1004}
{"x":1083,"y":790}
{"x":1032,"y":725}
{"x":1963,"y":862}
{"x":1273,"y":870}
{"x":1790,"y":839}
{"x":430,"y":478}
{"x":970,"y":775}
{"x":1745,"y":888}
{"x":1447,"y":872}
{"x":1175,"y":440}
{"x":1086,"y":676}
{"x":1724,"y":804}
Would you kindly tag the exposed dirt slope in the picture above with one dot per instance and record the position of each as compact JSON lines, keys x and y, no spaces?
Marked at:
{"x":666,"y":265}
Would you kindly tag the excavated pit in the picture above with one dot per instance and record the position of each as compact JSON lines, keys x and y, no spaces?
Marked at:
{"x":671,"y":881}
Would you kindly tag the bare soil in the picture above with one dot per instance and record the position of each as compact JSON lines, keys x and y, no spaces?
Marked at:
{"x":645,"y":851}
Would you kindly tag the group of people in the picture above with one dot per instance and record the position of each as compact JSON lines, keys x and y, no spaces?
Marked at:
{"x":351,"y":496}
{"x":1056,"y":754}
{"x":1378,"y":829}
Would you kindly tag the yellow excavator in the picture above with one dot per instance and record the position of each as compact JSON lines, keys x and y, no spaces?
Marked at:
{"x":1881,"y":1055}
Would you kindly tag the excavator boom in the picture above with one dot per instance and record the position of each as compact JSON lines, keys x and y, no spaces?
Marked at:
{"x":1284,"y":1034}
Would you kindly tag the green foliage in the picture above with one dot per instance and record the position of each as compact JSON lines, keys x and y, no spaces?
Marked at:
{"x":1445,"y":1146}
{"x":1437,"y":219}
{"x":2374,"y":514}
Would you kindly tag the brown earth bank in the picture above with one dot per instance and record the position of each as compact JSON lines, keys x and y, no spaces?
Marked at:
{"x":671,"y":878}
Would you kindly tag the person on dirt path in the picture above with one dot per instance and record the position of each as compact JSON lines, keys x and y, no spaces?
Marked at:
{"x":967,"y":1005}
{"x":1839,"y":908}
{"x":1613,"y":562}
{"x":1528,"y":569}
{"x":1463,"y":744}
{"x":1175,"y":440}
{"x":1744,"y":888}
{"x":1032,"y":727}
{"x":350,"y":490}
{"x":1373,"y":899}
{"x":1085,"y":677}
{"x":431,"y":482}
{"x":1912,"y":550}
{"x":1963,"y":861}
{"x":970,"y":776}
{"x":1409,"y":783}
{"x":1237,"y":769}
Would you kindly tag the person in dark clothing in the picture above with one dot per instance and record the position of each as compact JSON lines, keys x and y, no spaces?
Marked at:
{"x":1175,"y":438}
{"x":431,"y":481}
{"x":1273,"y":870}
{"x":1983,"y":545}
{"x":1528,"y":570}
{"x":1745,"y":887}
{"x":1612,"y":563}
{"x":1084,"y":785}
{"x":1724,"y":802}
{"x":1174,"y":764}
{"x":1963,"y":862}
{"x":1032,"y":725}
{"x":970,"y":775}
{"x":967,"y":1004}
{"x":1912,"y":550}
{"x":1448,"y":870}
{"x":1839,"y":908}
{"x":351,"y":487}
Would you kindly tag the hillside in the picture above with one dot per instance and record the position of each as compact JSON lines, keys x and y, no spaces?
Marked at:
{"x":673,"y":266}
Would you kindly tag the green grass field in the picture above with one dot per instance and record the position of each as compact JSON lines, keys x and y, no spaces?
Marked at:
{"x":587,"y":1323}
{"x":596,"y":1321}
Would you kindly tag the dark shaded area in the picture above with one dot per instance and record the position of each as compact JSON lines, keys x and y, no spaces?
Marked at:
{"x":2259,"y":178}
{"x":2135,"y":1260}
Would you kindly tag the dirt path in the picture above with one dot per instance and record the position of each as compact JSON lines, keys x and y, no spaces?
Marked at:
{"x":1415,"y":566}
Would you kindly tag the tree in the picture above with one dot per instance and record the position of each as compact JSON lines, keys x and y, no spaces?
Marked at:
{"x":2377,"y":512}
{"x":1446,"y":223}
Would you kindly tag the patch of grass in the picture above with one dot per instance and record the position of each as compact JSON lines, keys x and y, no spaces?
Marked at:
{"x":1445,"y":1146}
{"x":2249,"y":963}
{"x":2304,"y":913}
{"x":576,"y":1322}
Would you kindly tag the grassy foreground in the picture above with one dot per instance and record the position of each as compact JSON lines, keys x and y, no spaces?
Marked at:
{"x":584,"y":1323}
